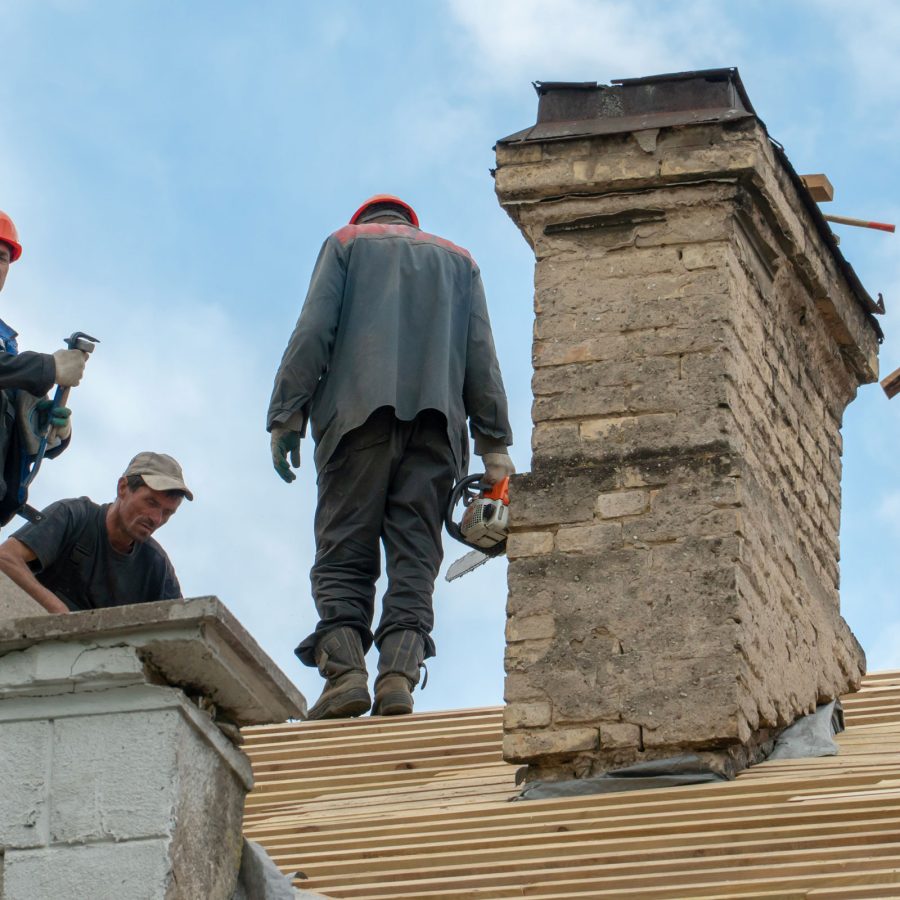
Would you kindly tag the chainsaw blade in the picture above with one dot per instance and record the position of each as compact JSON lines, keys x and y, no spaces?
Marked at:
{"x":465,"y":564}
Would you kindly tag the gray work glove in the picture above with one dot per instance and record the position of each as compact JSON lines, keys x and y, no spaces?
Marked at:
{"x":69,"y":367}
{"x":284,"y":441}
{"x":496,"y":467}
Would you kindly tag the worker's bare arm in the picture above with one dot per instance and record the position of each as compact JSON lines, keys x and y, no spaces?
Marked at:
{"x":14,"y":559}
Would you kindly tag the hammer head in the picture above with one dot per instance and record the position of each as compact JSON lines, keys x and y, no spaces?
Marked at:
{"x":79,"y":340}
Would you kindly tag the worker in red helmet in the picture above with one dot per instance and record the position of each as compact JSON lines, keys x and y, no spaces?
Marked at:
{"x":391,"y":357}
{"x":24,"y":380}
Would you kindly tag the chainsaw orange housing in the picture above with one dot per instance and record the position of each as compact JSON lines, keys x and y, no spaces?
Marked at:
{"x":499,"y":491}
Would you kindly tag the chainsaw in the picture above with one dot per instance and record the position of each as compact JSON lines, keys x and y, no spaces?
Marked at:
{"x":484,"y":525}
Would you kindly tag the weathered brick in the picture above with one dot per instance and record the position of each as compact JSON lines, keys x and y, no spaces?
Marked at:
{"x":652,"y":342}
{"x":702,"y":256}
{"x":522,"y":746}
{"x":526,"y":715}
{"x":537,"y":505}
{"x":603,"y":429}
{"x":588,"y":538}
{"x":530,"y":628}
{"x":522,"y":654}
{"x":555,"y":438}
{"x":622,"y":503}
{"x":603,"y":169}
{"x":516,"y":155}
{"x":619,"y":734}
{"x":529,"y":543}
{"x":519,"y":687}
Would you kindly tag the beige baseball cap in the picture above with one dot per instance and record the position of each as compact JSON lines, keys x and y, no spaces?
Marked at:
{"x":159,"y":471}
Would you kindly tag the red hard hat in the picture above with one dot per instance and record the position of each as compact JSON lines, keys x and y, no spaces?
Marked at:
{"x":9,"y":235}
{"x":385,"y":198}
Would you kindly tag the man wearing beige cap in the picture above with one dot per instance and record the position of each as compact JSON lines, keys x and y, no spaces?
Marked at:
{"x":81,"y":555}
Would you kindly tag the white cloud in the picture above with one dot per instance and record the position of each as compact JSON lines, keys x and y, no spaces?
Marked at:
{"x":593,"y":39}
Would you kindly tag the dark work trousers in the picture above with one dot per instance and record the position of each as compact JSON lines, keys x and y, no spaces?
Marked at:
{"x":387,"y":481}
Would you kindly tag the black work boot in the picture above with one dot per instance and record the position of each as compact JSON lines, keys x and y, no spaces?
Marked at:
{"x":400,"y":657}
{"x":342,"y":663}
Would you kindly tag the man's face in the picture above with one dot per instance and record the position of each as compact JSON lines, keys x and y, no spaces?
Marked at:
{"x":144,"y":510}
{"x":5,"y":254}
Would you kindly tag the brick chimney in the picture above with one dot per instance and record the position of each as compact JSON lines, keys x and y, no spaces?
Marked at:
{"x":673,"y":577}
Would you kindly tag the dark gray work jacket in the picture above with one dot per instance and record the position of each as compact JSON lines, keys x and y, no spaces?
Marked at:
{"x":393,"y":317}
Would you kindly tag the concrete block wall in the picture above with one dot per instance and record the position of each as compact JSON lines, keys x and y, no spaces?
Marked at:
{"x":673,"y":578}
{"x":116,"y":780}
{"x":120,"y":789}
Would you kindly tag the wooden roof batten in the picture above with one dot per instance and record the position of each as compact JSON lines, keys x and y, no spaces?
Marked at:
{"x":417,"y":807}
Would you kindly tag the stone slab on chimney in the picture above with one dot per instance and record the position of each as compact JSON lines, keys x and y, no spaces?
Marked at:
{"x":116,"y":779}
{"x":673,"y":577}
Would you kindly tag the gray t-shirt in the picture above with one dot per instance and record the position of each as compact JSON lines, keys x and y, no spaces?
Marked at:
{"x":76,"y":561}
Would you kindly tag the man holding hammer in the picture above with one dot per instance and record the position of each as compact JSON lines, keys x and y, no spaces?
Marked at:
{"x":24,"y":380}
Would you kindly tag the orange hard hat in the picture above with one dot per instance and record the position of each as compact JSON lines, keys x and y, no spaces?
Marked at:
{"x":9,"y":235}
{"x":388,"y":199}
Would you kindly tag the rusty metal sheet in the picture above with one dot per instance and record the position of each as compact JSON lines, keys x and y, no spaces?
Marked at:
{"x":568,"y":110}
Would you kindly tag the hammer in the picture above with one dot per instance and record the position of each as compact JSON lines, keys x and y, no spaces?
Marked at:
{"x":77,"y":340}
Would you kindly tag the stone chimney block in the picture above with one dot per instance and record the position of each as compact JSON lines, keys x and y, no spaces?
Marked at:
{"x":117,"y":777}
{"x":673,"y":575}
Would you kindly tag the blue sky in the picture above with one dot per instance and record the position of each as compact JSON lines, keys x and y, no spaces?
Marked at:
{"x":174,"y":167}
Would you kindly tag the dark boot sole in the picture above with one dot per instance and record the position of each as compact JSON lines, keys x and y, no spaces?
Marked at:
{"x":396,"y":703}
{"x":346,"y":705}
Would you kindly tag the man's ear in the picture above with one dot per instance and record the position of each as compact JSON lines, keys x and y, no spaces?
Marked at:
{"x":121,"y":487}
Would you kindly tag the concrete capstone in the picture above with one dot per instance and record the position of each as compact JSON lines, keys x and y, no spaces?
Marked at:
{"x":196,"y":643}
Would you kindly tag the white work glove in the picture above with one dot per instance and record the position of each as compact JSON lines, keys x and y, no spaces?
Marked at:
{"x":69,"y":367}
{"x":497,"y":466}
{"x":285,"y":441}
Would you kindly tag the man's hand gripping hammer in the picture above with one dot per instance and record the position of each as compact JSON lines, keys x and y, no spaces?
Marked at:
{"x":78,"y":340}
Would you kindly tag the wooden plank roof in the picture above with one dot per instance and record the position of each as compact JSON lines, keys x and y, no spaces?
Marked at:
{"x":417,"y":807}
